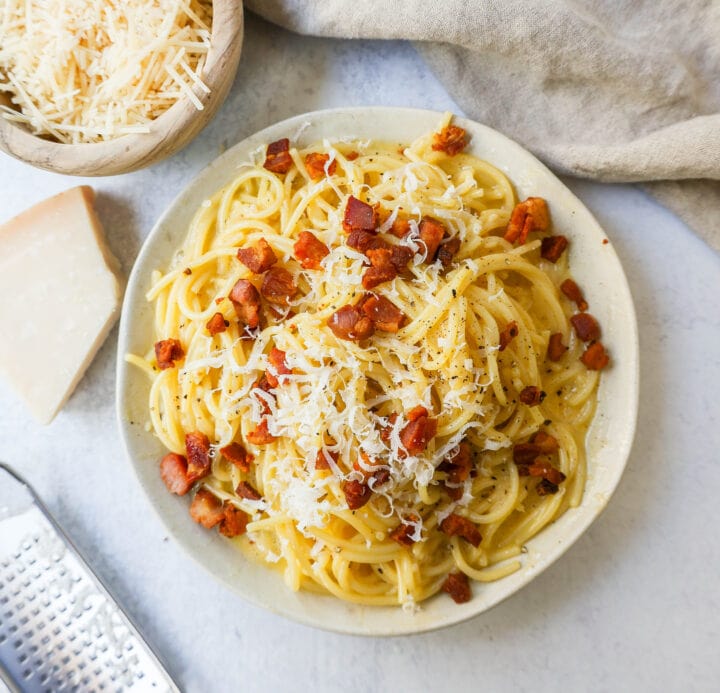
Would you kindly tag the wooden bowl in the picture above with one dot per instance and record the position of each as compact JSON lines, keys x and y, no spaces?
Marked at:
{"x":169,"y":133}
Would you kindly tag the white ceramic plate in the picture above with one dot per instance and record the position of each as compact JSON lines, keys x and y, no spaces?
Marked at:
{"x":594,"y":264}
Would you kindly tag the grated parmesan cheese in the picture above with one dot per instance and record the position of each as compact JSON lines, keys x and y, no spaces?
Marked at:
{"x":89,"y":71}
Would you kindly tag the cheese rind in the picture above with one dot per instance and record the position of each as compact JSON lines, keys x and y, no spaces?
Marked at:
{"x":60,"y":292}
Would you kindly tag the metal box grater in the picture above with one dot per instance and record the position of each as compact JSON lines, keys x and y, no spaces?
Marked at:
{"x":60,"y":629}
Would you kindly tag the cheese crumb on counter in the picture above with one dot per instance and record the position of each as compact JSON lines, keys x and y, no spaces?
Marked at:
{"x":60,"y":293}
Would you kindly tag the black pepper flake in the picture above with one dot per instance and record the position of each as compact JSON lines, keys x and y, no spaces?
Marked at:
{"x":547,"y":422}
{"x":546,"y":487}
{"x":454,"y":293}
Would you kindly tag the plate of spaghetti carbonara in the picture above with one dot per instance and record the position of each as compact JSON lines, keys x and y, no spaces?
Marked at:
{"x":377,"y":369}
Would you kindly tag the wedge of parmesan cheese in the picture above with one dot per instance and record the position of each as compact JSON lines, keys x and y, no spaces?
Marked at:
{"x":60,"y":294}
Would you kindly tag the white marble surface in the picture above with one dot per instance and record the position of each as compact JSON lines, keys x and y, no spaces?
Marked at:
{"x":632,"y":606}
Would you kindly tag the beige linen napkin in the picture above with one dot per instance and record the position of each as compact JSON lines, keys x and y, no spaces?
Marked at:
{"x":614,"y":91}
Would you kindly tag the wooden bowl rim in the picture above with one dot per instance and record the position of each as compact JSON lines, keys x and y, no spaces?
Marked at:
{"x":130,"y":152}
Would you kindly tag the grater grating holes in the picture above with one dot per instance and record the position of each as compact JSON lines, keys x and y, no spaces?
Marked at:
{"x":53,"y":615}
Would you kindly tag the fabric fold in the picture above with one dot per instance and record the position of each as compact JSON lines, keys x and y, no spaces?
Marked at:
{"x":615,"y":91}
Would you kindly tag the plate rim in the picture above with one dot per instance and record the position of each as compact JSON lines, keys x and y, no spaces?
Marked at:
{"x":451,"y":615}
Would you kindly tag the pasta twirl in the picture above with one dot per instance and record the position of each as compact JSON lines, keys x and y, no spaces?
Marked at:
{"x":436,"y":443}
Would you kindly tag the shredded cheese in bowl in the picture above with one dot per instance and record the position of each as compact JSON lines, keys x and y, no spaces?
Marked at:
{"x":83,"y":71}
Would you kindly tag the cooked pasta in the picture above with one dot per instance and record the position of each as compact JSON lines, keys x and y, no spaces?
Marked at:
{"x":376,"y":464}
